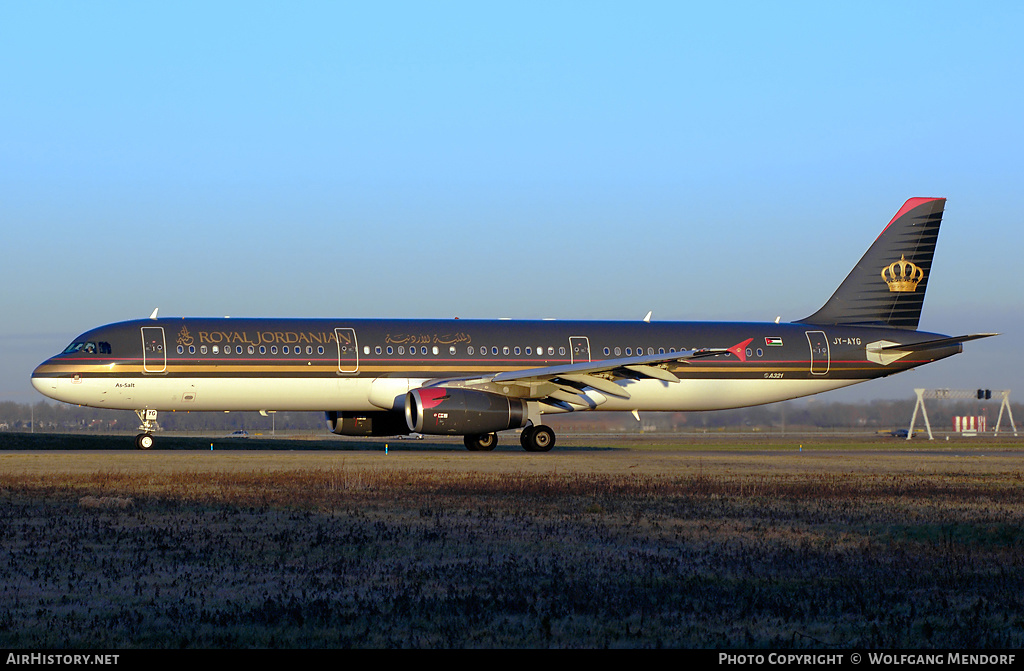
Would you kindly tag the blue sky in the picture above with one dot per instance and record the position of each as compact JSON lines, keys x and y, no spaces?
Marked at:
{"x":570,"y":160}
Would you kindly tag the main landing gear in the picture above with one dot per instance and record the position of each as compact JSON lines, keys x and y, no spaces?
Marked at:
{"x":144,"y":440}
{"x":535,"y":438}
{"x":481,"y":442}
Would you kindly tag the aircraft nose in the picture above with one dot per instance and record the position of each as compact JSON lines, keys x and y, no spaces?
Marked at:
{"x":45,"y":385}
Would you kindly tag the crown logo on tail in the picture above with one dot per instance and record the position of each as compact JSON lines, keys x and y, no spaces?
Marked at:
{"x":902,"y":275}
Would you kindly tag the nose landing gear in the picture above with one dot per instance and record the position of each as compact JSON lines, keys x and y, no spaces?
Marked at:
{"x":144,"y":440}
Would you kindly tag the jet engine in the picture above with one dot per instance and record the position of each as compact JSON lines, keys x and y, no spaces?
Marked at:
{"x":455,"y":411}
{"x":367,"y":423}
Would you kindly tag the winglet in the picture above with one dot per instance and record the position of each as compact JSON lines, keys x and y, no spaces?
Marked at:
{"x":740,"y":349}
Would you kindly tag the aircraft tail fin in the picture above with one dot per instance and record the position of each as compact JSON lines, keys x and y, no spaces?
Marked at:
{"x":887,"y":286}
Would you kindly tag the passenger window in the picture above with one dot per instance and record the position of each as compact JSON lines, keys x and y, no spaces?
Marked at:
{"x":629,"y":351}
{"x":517,"y":351}
{"x":216,"y":349}
{"x":504,"y":350}
{"x":451,"y":350}
{"x":252,"y":350}
{"x":376,"y":350}
{"x":529,"y":351}
{"x":606,"y":351}
{"x":551,"y":351}
{"x":470,"y":350}
{"x":391,"y":350}
{"x":181,"y":350}
{"x":273,"y":349}
{"x":202,"y":349}
{"x":618,"y":351}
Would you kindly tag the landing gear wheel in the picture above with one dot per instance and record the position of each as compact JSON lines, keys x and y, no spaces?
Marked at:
{"x":482,"y":442}
{"x":537,"y":438}
{"x":526,"y":438}
{"x":144,"y":440}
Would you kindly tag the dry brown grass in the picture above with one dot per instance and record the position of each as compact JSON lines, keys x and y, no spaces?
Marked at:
{"x":662,"y":546}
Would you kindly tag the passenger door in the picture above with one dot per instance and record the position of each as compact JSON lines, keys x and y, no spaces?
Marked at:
{"x":154,"y":350}
{"x":820,"y":356}
{"x":348,"y":350}
{"x":579,"y":349}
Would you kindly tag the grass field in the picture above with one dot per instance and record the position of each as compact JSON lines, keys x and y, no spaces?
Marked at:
{"x":600,"y":543}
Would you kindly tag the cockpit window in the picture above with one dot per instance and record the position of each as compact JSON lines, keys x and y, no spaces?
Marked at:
{"x":88,"y":347}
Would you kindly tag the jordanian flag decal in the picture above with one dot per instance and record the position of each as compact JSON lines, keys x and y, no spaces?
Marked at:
{"x":773,"y":342}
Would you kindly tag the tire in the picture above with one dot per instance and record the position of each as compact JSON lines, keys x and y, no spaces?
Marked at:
{"x":481,"y":442}
{"x":539,"y":439}
{"x":526,"y":438}
{"x":144,"y":441}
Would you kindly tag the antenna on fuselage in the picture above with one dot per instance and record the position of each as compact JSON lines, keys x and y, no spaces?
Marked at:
{"x":647,"y":319}
{"x":155,"y":310}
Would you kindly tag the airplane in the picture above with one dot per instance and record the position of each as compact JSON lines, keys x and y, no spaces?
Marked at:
{"x":476,"y":378}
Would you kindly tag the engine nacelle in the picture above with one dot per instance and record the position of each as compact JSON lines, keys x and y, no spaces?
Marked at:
{"x":381,"y":423}
{"x":454,"y":411}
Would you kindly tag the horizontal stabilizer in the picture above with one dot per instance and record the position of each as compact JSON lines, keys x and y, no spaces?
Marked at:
{"x":934,"y":344}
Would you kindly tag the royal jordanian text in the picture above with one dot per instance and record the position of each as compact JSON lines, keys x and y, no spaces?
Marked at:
{"x":48,"y":658}
{"x":267,"y":338}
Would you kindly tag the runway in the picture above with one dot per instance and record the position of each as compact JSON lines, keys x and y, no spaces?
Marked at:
{"x":608,"y":455}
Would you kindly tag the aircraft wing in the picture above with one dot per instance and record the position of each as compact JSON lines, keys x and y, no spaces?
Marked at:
{"x":565,"y":386}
